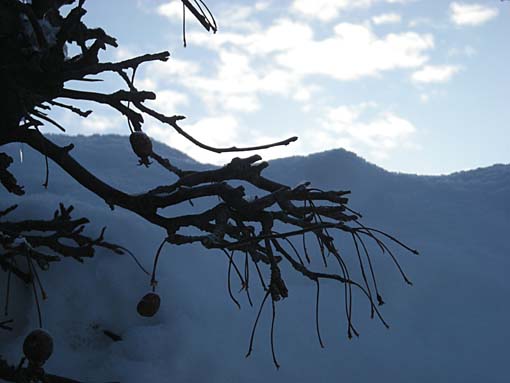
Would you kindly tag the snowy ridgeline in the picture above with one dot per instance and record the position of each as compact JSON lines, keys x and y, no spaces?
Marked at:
{"x":452,"y":326}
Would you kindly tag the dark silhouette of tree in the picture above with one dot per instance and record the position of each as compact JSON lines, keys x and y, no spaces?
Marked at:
{"x":34,"y":73}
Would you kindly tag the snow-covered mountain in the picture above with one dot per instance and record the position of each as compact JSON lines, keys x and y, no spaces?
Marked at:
{"x":451,"y":326}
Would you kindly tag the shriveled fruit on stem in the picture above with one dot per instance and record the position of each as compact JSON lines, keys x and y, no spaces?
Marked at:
{"x":148,"y":305}
{"x":38,"y":347}
{"x":142,"y":145}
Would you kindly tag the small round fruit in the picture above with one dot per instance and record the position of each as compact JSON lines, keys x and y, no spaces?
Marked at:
{"x":38,"y":347}
{"x":148,"y":305}
{"x":141,"y":144}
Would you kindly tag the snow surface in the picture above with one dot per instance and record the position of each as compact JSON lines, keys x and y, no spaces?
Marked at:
{"x":451,"y":326}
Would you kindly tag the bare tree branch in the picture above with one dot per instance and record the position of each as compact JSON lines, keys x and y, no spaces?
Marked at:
{"x":34,"y":71}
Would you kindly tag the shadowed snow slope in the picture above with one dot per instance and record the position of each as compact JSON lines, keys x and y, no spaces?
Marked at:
{"x":451,"y":326}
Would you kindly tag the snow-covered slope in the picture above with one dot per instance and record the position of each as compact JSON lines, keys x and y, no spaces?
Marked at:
{"x":451,"y":326}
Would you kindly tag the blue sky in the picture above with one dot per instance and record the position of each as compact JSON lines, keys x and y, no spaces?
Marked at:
{"x":415,"y":86}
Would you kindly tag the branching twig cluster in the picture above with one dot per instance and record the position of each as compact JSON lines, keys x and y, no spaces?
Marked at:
{"x":21,"y":374}
{"x":257,"y":231}
{"x":6,"y":178}
{"x":30,"y":246}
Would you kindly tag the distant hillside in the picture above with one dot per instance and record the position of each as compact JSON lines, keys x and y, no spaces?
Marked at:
{"x":451,"y":326}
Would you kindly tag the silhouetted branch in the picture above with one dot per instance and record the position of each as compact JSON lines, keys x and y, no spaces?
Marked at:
{"x":6,"y":178}
{"x":34,"y":71}
{"x":14,"y":374}
{"x":62,"y":235}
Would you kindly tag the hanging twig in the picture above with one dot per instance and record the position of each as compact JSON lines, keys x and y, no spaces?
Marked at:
{"x":154,"y":281}
{"x":317,"y":322}
{"x":252,"y":336}
{"x":273,"y":318}
{"x":255,"y":226}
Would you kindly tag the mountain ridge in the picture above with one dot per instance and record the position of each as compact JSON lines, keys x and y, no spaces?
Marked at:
{"x":338,"y":152}
{"x":451,"y":326}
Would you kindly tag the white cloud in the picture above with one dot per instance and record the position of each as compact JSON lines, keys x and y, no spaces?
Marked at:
{"x":421,"y":22}
{"x":262,"y":5}
{"x":305,"y":93}
{"x":435,"y":73}
{"x":103,"y":124}
{"x":171,"y":10}
{"x":354,"y":51}
{"x":387,"y":18}
{"x":241,"y":17}
{"x":168,"y":102}
{"x":326,"y":10}
{"x":374,"y":137}
{"x":173,"y":68}
{"x":218,"y":131}
{"x":351,"y":51}
{"x":465,"y":14}
{"x":467,"y":51}
{"x":424,"y":97}
{"x":281,"y":35}
{"x":123,"y":53}
{"x":237,"y":80}
{"x":247,"y":62}
{"x":234,"y":86}
{"x":281,"y":60}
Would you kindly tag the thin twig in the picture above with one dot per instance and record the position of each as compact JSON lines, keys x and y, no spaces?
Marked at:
{"x":230,"y":262}
{"x":317,"y":327}
{"x":7,"y":292}
{"x":36,"y":297}
{"x":273,"y":318}
{"x":252,"y":337}
{"x":155,"y":265}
